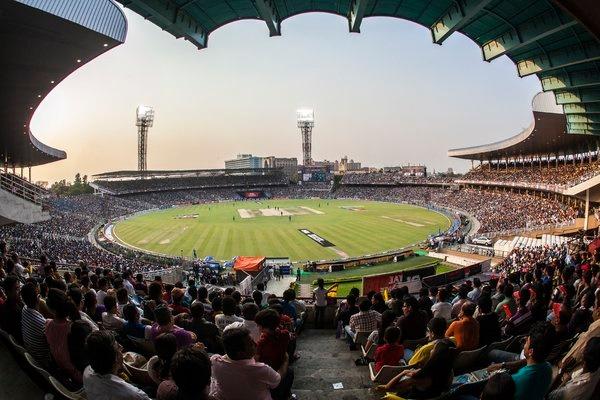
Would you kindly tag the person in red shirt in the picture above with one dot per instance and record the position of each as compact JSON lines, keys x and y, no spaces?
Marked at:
{"x":392,"y":351}
{"x":272,"y":349}
{"x":177,"y":297}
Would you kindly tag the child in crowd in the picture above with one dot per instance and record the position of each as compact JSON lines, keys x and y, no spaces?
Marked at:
{"x":392,"y":351}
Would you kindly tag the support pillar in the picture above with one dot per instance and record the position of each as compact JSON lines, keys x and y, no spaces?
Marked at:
{"x":587,"y":209}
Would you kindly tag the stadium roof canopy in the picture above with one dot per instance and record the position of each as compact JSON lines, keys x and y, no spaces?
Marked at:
{"x":544,"y":136}
{"x":558,"y":40}
{"x":185,"y":173}
{"x":42,"y":43}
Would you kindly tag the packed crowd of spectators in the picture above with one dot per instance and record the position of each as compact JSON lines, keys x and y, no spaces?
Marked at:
{"x":63,"y":238}
{"x":535,"y":327}
{"x":78,"y":324}
{"x":561,"y":174}
{"x":391,"y":178}
{"x":272,"y":178}
{"x":496,"y":211}
{"x":94,"y":328}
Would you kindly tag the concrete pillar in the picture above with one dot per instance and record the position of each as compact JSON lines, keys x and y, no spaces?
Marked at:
{"x":587,"y":209}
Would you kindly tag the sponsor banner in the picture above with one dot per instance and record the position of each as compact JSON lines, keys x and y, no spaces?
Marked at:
{"x":316,"y":238}
{"x":453,"y":276}
{"x":252,"y":195}
{"x":411,"y":278}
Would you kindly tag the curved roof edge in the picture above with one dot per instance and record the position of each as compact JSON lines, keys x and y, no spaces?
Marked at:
{"x":61,"y":36}
{"x":546,"y":134}
{"x":103,"y":16}
{"x":44,"y":148}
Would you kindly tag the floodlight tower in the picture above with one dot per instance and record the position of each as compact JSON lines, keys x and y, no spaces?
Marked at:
{"x":306,"y":122}
{"x":144,"y":120}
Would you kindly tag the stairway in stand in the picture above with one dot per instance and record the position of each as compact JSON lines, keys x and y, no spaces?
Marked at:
{"x":325,"y":360}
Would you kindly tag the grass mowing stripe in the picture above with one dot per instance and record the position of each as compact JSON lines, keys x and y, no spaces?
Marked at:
{"x":215,"y":233}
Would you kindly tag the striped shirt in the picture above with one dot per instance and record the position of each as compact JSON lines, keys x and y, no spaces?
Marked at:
{"x":34,"y":337}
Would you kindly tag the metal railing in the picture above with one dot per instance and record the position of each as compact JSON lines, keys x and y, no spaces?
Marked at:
{"x":22,"y":188}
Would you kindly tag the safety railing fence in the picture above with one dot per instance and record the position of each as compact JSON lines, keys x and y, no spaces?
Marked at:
{"x":22,"y":188}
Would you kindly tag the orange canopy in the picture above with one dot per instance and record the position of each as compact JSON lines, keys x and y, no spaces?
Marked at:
{"x":249,"y":264}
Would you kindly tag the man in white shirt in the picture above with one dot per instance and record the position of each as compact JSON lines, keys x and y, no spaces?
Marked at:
{"x":127,"y":283}
{"x":102,"y":288}
{"x":474,"y":294}
{"x":110,"y":319}
{"x":19,"y":268}
{"x":99,"y":378}
{"x":442,"y":309}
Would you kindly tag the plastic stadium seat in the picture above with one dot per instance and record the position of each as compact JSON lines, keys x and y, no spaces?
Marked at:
{"x":370,"y":352}
{"x":66,"y":393}
{"x":37,"y":367}
{"x":16,"y":346}
{"x":386,"y":373}
{"x":467,"y":361}
{"x":145,"y":347}
{"x":414,"y":343}
{"x":361,"y":337}
{"x":4,"y":336}
{"x":501,"y":345}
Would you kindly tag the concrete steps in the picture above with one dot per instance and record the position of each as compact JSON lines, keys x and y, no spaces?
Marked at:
{"x":325,"y":360}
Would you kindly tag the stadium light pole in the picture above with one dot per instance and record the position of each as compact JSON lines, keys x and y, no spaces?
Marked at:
{"x":144,"y":120}
{"x":306,"y":123}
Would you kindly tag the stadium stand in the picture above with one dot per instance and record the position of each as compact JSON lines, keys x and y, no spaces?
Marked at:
{"x":60,"y":36}
{"x":201,"y":180}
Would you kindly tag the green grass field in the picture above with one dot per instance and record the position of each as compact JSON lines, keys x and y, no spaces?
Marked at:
{"x":366,"y":227}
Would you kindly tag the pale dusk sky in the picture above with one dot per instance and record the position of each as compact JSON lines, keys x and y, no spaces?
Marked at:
{"x":386,"y":96}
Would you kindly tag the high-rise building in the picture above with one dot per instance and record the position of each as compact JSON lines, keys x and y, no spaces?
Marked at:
{"x":244,"y":161}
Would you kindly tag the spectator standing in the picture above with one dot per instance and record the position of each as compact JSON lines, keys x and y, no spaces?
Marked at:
{"x":320,"y":298}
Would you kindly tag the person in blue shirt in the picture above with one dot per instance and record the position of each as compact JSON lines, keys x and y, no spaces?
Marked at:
{"x":133,"y":326}
{"x":532,"y":375}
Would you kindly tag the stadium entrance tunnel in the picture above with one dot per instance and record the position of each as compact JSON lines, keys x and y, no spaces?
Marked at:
{"x":557,"y":40}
